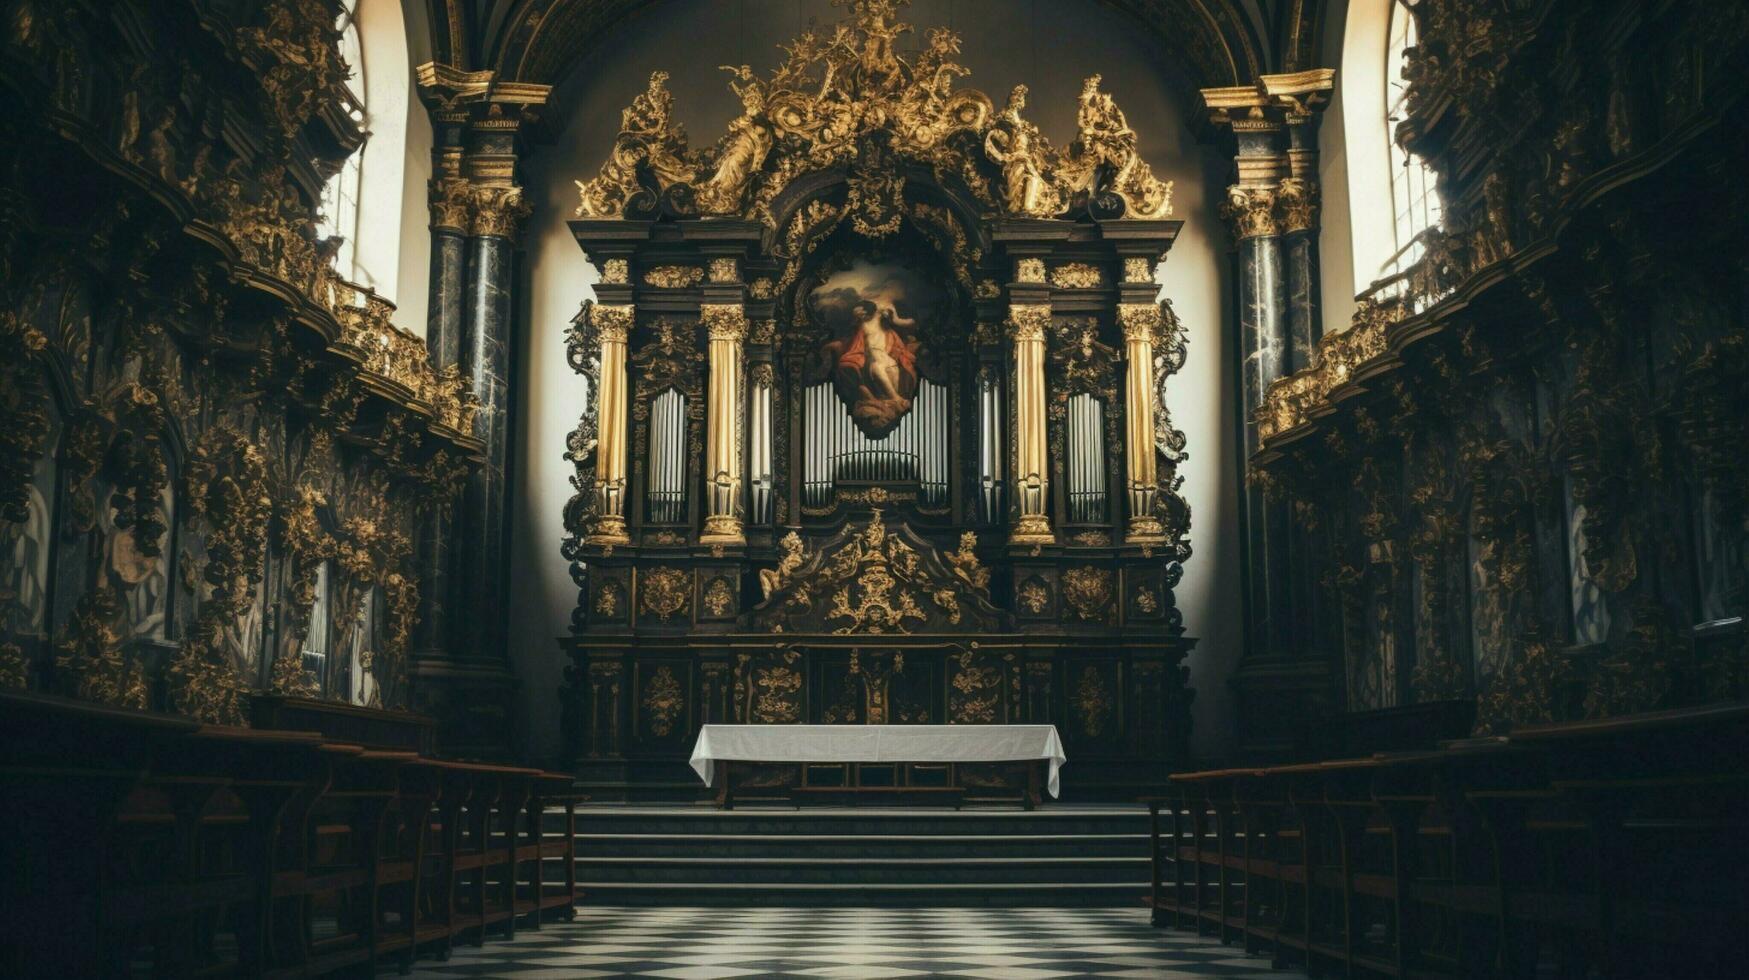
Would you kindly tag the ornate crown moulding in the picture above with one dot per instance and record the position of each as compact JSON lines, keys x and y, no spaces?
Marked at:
{"x":848,"y":100}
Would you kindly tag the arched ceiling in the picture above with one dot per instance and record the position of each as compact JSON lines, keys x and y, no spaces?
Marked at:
{"x":1219,"y":42}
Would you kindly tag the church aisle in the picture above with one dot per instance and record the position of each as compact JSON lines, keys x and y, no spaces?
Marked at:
{"x":1010,"y":944}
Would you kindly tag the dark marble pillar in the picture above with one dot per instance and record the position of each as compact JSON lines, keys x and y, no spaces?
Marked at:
{"x":483,"y":517}
{"x":1300,"y":253}
{"x":1265,"y":348}
{"x":443,"y":340}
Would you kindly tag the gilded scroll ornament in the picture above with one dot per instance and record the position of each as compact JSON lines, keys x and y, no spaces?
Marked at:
{"x":92,"y":653}
{"x":838,"y":101}
{"x":664,"y":701}
{"x":1077,"y":275}
{"x":1034,"y":596}
{"x":663,"y":592}
{"x":673,"y":276}
{"x":1288,"y":400}
{"x":498,"y":212}
{"x":1028,"y":323}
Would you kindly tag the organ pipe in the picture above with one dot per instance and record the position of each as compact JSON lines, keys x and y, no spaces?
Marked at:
{"x":612,"y":324}
{"x":726,"y":325}
{"x":1140,"y":322}
{"x":1027,"y":324}
{"x":837,"y":452}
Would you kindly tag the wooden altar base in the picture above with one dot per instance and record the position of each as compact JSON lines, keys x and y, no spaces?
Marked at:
{"x":880,"y":783}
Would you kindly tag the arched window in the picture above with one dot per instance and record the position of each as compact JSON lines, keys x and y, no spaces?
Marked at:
{"x":1415,"y":205}
{"x":340,"y":198}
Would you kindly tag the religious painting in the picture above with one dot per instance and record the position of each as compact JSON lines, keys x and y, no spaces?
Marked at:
{"x":26,"y":541}
{"x":874,"y":313}
{"x":142,"y":580}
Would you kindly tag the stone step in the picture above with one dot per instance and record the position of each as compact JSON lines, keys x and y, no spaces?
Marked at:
{"x":889,"y":870}
{"x":863,"y":845}
{"x":974,"y":894}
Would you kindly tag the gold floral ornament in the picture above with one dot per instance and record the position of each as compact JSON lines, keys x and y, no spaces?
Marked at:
{"x":847,"y":98}
{"x":92,"y":653}
{"x":664,"y":592}
{"x":1092,"y":701}
{"x":1088,"y":590}
{"x":718,"y":597}
{"x":664,"y":700}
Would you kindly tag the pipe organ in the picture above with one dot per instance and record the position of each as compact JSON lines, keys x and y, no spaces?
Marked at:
{"x":901,"y":443}
{"x":838,"y":454}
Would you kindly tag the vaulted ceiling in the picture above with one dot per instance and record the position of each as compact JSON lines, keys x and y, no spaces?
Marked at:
{"x":1218,"y":42}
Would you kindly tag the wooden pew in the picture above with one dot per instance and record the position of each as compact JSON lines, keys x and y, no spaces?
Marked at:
{"x":1611,"y":848}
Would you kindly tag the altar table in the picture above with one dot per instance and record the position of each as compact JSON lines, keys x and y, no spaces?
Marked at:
{"x":812,"y":744}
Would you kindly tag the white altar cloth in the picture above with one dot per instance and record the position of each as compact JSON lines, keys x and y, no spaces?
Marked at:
{"x":877,"y":743}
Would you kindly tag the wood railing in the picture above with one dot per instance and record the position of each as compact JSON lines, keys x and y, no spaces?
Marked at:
{"x":140,"y":844}
{"x":1612,"y":848}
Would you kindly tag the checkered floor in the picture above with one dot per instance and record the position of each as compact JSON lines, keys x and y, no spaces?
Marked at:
{"x":1011,"y":944}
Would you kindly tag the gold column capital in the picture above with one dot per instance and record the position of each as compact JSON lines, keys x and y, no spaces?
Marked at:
{"x":1297,"y":201}
{"x":1140,"y":321}
{"x":613,"y":324}
{"x":1028,"y":322}
{"x":497,"y":211}
{"x":724,"y":321}
{"x":451,"y":202}
{"x":1250,"y":211}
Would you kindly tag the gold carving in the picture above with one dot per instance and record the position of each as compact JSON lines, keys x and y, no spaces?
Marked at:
{"x":1088,"y":590}
{"x":762,"y":288}
{"x":776,"y":688}
{"x":1288,"y":400}
{"x":724,"y":321}
{"x":497,"y":212}
{"x":1297,"y":200}
{"x":1140,"y":321}
{"x":1092,"y":701}
{"x":719,"y":598}
{"x":1147,"y":600}
{"x":92,"y":653}
{"x":964,"y":563}
{"x":1028,"y":323}
{"x":1138,"y":269}
{"x":1076,"y":275}
{"x":664,"y":592}
{"x":451,"y":202}
{"x":794,"y":555}
{"x":664,"y":701}
{"x":615,"y":272}
{"x":1250,"y":211}
{"x":613,"y":324}
{"x":398,"y":356}
{"x":987,"y":289}
{"x":839,"y":100}
{"x":725,"y":269}
{"x":1034,"y":596}
{"x":607,"y":599}
{"x":1029,"y":270}
{"x":673,"y":276}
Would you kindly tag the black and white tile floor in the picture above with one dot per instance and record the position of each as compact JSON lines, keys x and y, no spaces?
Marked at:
{"x":1001,"y":944}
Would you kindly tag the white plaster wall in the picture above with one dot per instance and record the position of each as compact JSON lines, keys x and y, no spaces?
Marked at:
{"x":392,"y":246}
{"x":1336,"y":279}
{"x":1356,"y":155}
{"x":1050,"y":46}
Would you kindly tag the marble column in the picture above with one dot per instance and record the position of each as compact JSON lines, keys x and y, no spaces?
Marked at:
{"x":1140,"y":321}
{"x":726,"y":325}
{"x":443,"y":338}
{"x":1027,"y":326}
{"x":1263,"y":347}
{"x":1298,"y":204}
{"x":613,"y":324}
{"x":483,"y":518}
{"x":1300,"y":98}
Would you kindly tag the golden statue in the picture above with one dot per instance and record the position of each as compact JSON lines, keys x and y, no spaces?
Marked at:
{"x":1025,"y":158}
{"x":741,"y":153}
{"x":837,"y":96}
